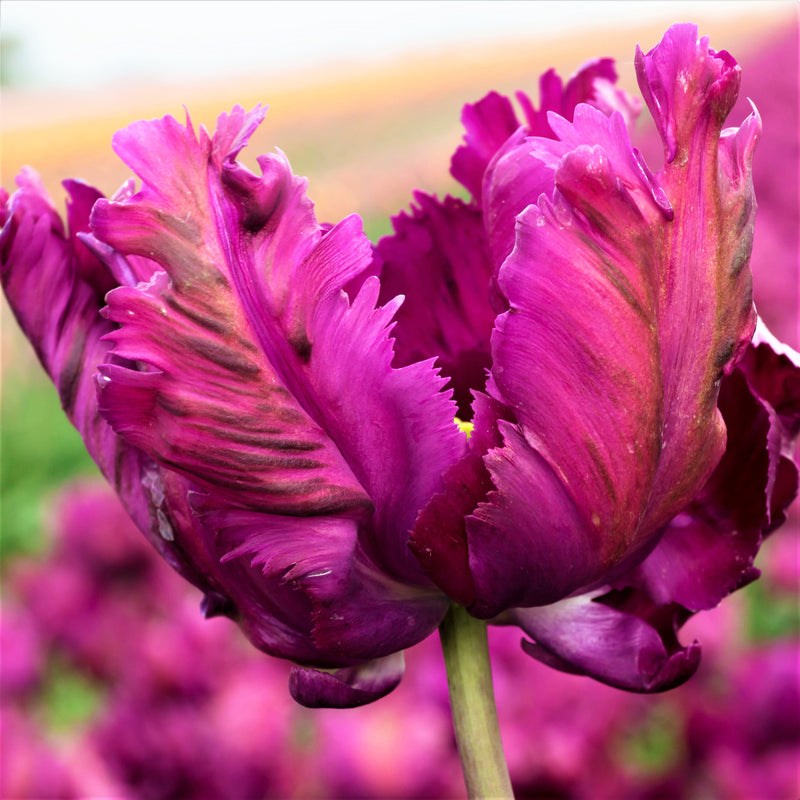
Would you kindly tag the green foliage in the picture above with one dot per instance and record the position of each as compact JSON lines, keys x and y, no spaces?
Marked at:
{"x":69,"y":698}
{"x":40,"y":450}
{"x":770,"y":613}
{"x":656,"y":746}
{"x":377,"y":227}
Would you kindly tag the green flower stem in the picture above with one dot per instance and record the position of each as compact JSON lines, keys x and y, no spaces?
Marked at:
{"x":469,"y":677}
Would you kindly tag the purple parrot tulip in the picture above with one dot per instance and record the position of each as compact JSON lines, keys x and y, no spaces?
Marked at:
{"x":631,"y":445}
{"x":274,"y":421}
{"x":243,"y":407}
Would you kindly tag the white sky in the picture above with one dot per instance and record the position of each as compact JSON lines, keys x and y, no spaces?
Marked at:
{"x":79,"y":43}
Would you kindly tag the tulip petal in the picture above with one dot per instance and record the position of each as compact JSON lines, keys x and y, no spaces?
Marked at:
{"x":756,"y":480}
{"x":439,"y":539}
{"x":348,"y":687}
{"x":308,"y":550}
{"x":585,"y":389}
{"x":257,"y":378}
{"x":274,"y":616}
{"x":437,"y":258}
{"x":356,"y":613}
{"x":706,"y":251}
{"x":374,"y":615}
{"x":629,"y":298}
{"x":670,"y":76}
{"x":210,"y":404}
{"x":773,"y":373}
{"x":56,"y":295}
{"x":35,"y":249}
{"x":619,"y":646}
{"x":488,"y":123}
{"x":514,"y":181}
{"x":90,"y":269}
{"x":395,"y":424}
{"x":696,"y":564}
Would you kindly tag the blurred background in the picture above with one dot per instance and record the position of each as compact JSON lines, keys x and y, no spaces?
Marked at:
{"x":112,"y":683}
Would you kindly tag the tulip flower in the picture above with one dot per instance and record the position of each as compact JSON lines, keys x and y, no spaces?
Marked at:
{"x":234,"y":369}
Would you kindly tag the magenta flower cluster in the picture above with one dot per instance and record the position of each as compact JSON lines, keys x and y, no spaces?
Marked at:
{"x":273,"y":399}
{"x":180,"y":707}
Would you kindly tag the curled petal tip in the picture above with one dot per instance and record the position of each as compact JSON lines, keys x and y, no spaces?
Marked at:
{"x":687,"y":86}
{"x":588,"y":635}
{"x":348,"y":687}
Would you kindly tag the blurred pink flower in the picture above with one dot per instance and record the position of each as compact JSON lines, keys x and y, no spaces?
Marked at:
{"x":29,"y":765}
{"x":99,"y":561}
{"x":21,"y":652}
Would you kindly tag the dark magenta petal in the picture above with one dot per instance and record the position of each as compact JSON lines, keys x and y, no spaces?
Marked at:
{"x":56,"y":300}
{"x":696,"y":564}
{"x":348,"y":687}
{"x":439,"y":539}
{"x":437,"y":259}
{"x":629,"y":297}
{"x":320,"y":557}
{"x":374,"y":615}
{"x":491,"y":121}
{"x":611,"y":640}
{"x":756,"y":479}
{"x":275,"y":617}
{"x":488,"y":124}
{"x":82,"y":198}
{"x":56,"y":314}
{"x":773,"y":373}
{"x":312,"y":550}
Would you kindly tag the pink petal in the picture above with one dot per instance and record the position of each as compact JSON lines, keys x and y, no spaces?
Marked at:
{"x":629,"y":298}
